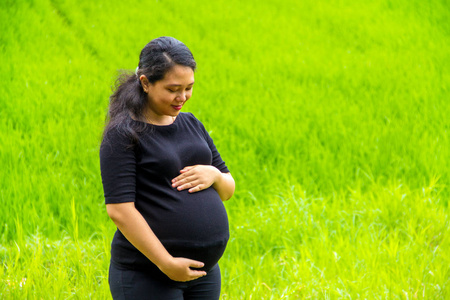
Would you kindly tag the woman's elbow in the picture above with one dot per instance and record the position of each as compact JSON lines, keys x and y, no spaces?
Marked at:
{"x":112,"y":212}
{"x":117,"y":211}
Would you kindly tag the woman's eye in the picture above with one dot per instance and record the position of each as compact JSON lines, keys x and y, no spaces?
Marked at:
{"x":172,"y":91}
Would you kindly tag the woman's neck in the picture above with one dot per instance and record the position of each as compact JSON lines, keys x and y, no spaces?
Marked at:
{"x":154,"y":119}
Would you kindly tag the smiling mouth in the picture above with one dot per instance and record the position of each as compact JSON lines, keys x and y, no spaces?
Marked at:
{"x":177,"y":107}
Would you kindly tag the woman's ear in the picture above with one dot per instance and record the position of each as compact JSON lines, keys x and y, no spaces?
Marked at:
{"x":144,"y":82}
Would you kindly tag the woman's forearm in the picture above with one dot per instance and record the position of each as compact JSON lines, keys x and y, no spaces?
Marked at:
{"x":137,"y":231}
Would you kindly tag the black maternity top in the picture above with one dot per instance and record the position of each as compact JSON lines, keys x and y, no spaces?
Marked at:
{"x":192,"y":225}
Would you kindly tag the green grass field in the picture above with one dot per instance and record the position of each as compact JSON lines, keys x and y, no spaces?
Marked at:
{"x":331,"y":115}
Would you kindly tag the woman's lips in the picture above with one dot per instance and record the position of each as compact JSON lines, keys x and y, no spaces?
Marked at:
{"x":177,"y":107}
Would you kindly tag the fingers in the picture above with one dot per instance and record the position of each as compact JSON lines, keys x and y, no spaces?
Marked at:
{"x":180,"y":269}
{"x":195,"y":263}
{"x":183,"y":178}
{"x":185,"y":169}
{"x":197,"y":274}
{"x":194,"y":186}
{"x":195,"y":178}
{"x":183,"y":172}
{"x":197,"y":188}
{"x":186,"y":183}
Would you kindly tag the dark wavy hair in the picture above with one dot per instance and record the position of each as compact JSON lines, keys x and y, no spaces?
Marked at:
{"x":129,"y":99}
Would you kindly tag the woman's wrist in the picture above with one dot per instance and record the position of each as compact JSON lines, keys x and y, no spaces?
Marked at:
{"x":218,"y":177}
{"x":164,"y":262}
{"x":224,"y":186}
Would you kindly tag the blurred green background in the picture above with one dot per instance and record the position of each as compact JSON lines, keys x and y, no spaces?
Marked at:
{"x":331,"y":115}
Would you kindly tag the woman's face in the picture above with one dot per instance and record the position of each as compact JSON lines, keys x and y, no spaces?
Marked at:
{"x":167,"y":96}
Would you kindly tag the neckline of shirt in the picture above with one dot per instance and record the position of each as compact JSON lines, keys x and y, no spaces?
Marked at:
{"x":168,"y":126}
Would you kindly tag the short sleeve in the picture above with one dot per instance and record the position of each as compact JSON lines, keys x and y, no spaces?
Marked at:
{"x":217,"y":160}
{"x":118,"y":168}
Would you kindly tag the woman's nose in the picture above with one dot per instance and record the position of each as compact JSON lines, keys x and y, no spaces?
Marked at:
{"x":182,"y":96}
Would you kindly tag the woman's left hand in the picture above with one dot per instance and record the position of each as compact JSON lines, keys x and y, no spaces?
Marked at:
{"x":196,"y":178}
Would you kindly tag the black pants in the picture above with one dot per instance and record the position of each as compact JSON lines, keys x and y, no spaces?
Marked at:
{"x":138,"y":284}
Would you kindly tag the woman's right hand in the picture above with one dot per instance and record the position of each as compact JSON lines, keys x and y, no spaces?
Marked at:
{"x":178,"y":269}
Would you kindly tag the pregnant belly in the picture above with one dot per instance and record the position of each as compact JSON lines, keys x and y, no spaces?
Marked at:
{"x":209,"y":255}
{"x":193,"y":225}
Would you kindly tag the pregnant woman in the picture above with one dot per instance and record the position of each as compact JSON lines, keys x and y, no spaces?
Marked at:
{"x":164,"y":182}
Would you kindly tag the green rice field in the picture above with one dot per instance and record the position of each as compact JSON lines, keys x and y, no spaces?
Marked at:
{"x":333,"y":117}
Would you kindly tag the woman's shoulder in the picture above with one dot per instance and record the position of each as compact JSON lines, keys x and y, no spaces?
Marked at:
{"x":192,"y":122}
{"x":114,"y":133}
{"x":117,"y":137}
{"x":189,"y":117}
